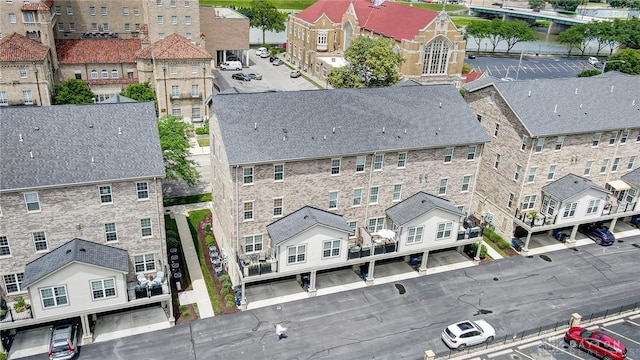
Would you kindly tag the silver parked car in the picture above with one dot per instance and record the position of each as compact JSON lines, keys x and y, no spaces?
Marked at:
{"x":64,"y":342}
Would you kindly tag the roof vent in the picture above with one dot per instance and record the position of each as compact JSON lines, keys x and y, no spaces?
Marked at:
{"x":36,"y":128}
{"x":83,"y":250}
{"x":611,"y":88}
{"x":21,"y":139}
{"x":284,"y":130}
{"x":90,"y":126}
{"x":529,"y":93}
{"x":306,"y":217}
{"x":555,"y":110}
{"x":119,"y":131}
{"x":424,"y":201}
{"x":405,"y":131}
{"x":440,"y":105}
{"x":325,"y":137}
{"x":31,"y":154}
{"x":383,"y":129}
{"x":334,"y":130}
{"x":255,"y":126}
{"x":576,"y":91}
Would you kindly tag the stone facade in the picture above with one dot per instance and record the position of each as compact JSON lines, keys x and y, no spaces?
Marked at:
{"x":35,"y":88}
{"x":76,"y":211}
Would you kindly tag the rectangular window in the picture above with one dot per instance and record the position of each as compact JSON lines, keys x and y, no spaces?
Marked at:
{"x":570,"y":210}
{"x":26,"y":96}
{"x":194,"y":68}
{"x":529,"y":202}
{"x":188,"y":36}
{"x":142,"y":190}
{"x":125,"y":11}
{"x":322,"y":38}
{"x":110,"y":232}
{"x":402,"y":160}
{"x":4,"y":101}
{"x":160,"y":19}
{"x":247,"y":175}
{"x":442,"y":188}
{"x":495,"y":130}
{"x":29,"y":17}
{"x":397,"y":192}
{"x":496,"y":162}
{"x":136,"y":11}
{"x":13,"y":282}
{"x":13,"y":18}
{"x":103,"y":289}
{"x":174,"y":20}
{"x":176,"y":110}
{"x":72,"y":26}
{"x":40,"y":241}
{"x":335,"y":166}
{"x":195,"y":90}
{"x":357,"y":197}
{"x":53,"y":296}
{"x":448,"y":155}
{"x":187,"y":3}
{"x":559,"y":143}
{"x":114,"y":74}
{"x":175,"y":91}
{"x":105,"y":27}
{"x":375,"y":225}
{"x":252,"y":243}
{"x":632,"y":161}
{"x":378,"y":162}
{"x":613,"y":137}
{"x":596,"y":140}
{"x":510,"y":201}
{"x":69,"y":10}
{"x":60,"y":26}
{"x":103,"y":10}
{"x":32,"y":201}
{"x":615,"y":165}
{"x":414,"y":235}
{"x":552,"y":172}
{"x":330,"y":248}
{"x":104,"y":74}
{"x":92,"y":10}
{"x":144,"y":263}
{"x":278,"y":172}
{"x":173,"y":69}
{"x":248,"y":210}
{"x":58,"y":10}
{"x":516,"y":174}
{"x":444,"y":230}
{"x":539,"y":145}
{"x":333,"y":200}
{"x":23,"y":72}
{"x":587,"y":168}
{"x":373,"y":195}
{"x":354,"y":226}
{"x":145,"y":227}
{"x":296,"y":254}
{"x":532,"y":175}
{"x":4,"y":246}
{"x":593,"y":206}
{"x":277,"y":207}
{"x":471,"y":152}
{"x":195,"y":112}
{"x":159,"y":2}
{"x":360,"y":163}
{"x":466,"y":180}
{"x":525,"y":141}
{"x":187,"y":20}
{"x":94,"y":28}
{"x":638,"y":137}
{"x":604,"y":166}
{"x":624,"y":137}
{"x":105,"y":194}
{"x":172,"y":3}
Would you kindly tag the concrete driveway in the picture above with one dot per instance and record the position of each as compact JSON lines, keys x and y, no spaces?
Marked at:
{"x":273,"y":77}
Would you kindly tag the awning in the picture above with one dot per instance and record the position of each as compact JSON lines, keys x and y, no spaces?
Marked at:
{"x":618,"y":185}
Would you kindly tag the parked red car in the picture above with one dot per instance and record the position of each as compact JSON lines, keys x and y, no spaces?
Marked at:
{"x":597,"y":343}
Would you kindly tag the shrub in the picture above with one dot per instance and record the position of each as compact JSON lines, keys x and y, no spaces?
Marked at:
{"x":202,"y":130}
{"x":466,"y":68}
{"x":208,"y":240}
{"x":231,"y":304}
{"x":229,"y":298}
{"x":172,"y":242}
{"x":226,"y":285}
{"x":224,"y":291}
{"x":207,"y":228}
{"x":471,"y":250}
{"x":225,"y":278}
{"x":182,"y":308}
{"x":186,"y":314}
{"x":172,"y":233}
{"x":502,"y":244}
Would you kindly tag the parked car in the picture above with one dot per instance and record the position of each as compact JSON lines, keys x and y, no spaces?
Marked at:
{"x":467,"y":333}
{"x":264,"y":54}
{"x":599,"y":233}
{"x":294,"y":74}
{"x":277,"y":62}
{"x":472,"y":56}
{"x":261,"y":50}
{"x":593,"y":60}
{"x":272,"y":58}
{"x":241,"y":76}
{"x":599,"y":65}
{"x":64,"y":342}
{"x":231,"y":65}
{"x":255,"y":76}
{"x":596,"y":342}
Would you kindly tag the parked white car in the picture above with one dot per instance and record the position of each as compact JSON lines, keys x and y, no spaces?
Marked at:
{"x":593,"y":60}
{"x":467,"y":333}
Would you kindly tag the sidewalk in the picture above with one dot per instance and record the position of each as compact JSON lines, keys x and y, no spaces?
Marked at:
{"x":199,"y":292}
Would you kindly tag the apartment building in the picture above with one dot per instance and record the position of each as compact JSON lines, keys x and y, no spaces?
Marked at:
{"x":342,"y":170}
{"x":81,"y":214}
{"x":545,"y":130}
{"x":431,"y":45}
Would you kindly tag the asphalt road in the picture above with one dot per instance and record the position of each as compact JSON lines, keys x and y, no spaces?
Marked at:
{"x":530,"y":67}
{"x":377,"y":322}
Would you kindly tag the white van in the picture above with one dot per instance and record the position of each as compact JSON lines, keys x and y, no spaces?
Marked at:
{"x":231,"y":65}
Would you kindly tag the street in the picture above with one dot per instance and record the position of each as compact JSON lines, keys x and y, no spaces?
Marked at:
{"x":514,"y":294}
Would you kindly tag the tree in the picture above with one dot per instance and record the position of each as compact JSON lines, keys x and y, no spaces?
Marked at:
{"x":174,"y":142}
{"x":603,"y":34}
{"x":627,"y":32}
{"x":577,"y":36}
{"x":73,"y":91}
{"x":265,"y":16}
{"x":479,"y":30}
{"x":537,"y":4}
{"x":371,"y":63}
{"x":139,"y":92}
{"x":494,"y":35}
{"x":568,"y":5}
{"x":516,"y":31}
{"x":631,"y":4}
{"x":631,"y":65}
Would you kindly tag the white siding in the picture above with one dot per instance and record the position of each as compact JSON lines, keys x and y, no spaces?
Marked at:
{"x":582,"y":199}
{"x":430,"y":221}
{"x":313,"y":239}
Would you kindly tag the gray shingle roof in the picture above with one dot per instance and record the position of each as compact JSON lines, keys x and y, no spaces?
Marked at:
{"x":303,"y":219}
{"x":570,"y":185}
{"x":632,"y":177}
{"x":571,"y":105}
{"x":416,"y":205}
{"x":79,"y":250}
{"x":72,"y":144}
{"x":290,"y":125}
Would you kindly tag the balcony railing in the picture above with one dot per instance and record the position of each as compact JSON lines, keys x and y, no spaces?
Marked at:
{"x":11,"y":315}
{"x":186,"y":96}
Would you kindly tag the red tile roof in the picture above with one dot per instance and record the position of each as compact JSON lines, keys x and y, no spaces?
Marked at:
{"x":43,"y":6}
{"x":105,"y":51}
{"x":390,"y":19}
{"x":173,"y":46}
{"x":16,"y":47}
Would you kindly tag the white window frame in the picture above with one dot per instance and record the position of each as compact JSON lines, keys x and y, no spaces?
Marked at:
{"x":496,"y":129}
{"x":160,"y":19}
{"x":247,"y":175}
{"x":539,"y":145}
{"x":357,"y":197}
{"x":624,"y":137}
{"x":5,"y":249}
{"x":125,"y":11}
{"x":278,"y":172}
{"x":604,"y":166}
{"x":277,"y":207}
{"x":110,"y":232}
{"x":142,"y":190}
{"x":616,"y":164}
{"x":466,"y":183}
{"x":516,"y":174}
{"x":378,"y":162}
{"x":559,"y":143}
{"x":471,"y":152}
{"x":415,"y":234}
{"x":552,"y":172}
{"x":39,"y":238}
{"x":187,"y":20}
{"x":448,"y":155}
{"x":195,"y":90}
{"x":402,"y":160}
{"x":331,"y":248}
{"x":144,"y":263}
{"x":594,"y":204}
{"x":333,"y":199}
{"x":442,"y":187}
{"x":524,"y":143}
{"x":296,"y":254}
{"x":444,"y":230}
{"x":174,"y":19}
{"x":510,"y":200}
{"x":335,"y":166}
{"x":596,"y":140}
{"x":29,"y":200}
{"x":375,"y":225}
{"x":69,"y":10}
{"x":496,"y":162}
{"x":397,"y":192}
{"x":587,"y":168}
{"x":569,"y":210}
{"x":247,"y":211}
{"x":58,"y":295}
{"x":374,"y":194}
{"x":361,"y":161}
{"x":106,"y":194}
{"x":631,"y":163}
{"x":323,"y":37}
{"x":146,"y":227}
{"x":529,"y":202}
{"x":531,"y":177}
{"x":613,"y":137}
{"x":103,"y":289}
{"x":15,"y":280}
{"x":253,"y":243}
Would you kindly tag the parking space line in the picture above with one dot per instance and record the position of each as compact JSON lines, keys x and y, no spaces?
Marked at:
{"x":613,"y":322}
{"x":634,"y":317}
{"x":620,"y":335}
{"x":500,"y":353}
{"x":545,"y":65}
{"x":633,"y":322}
{"x":539,"y":68}
{"x":524,"y":355}
{"x":528,"y":345}
{"x":564,"y":351}
{"x":562,"y":67}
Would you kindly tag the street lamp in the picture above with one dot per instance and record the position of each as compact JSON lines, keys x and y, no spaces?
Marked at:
{"x":604,"y":63}
{"x":164,"y":77}
{"x":35,"y":70}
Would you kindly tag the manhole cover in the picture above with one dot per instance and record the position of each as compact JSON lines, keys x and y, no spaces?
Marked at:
{"x":401,"y":289}
{"x":495,"y":279}
{"x":545,"y":258}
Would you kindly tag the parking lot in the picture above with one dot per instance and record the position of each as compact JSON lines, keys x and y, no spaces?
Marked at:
{"x":273,"y":77}
{"x":530,"y":67}
{"x":626,"y":329}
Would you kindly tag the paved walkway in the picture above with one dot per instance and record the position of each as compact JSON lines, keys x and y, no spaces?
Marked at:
{"x":199,"y":291}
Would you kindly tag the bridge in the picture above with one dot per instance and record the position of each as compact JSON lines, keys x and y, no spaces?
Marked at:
{"x":559,"y":22}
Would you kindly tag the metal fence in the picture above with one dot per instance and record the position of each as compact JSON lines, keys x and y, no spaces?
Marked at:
{"x":523,"y":335}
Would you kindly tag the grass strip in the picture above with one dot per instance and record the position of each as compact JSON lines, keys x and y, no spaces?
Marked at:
{"x":194,"y":219}
{"x":191,"y":199}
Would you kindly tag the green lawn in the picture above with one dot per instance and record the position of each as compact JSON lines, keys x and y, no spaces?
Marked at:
{"x":194,"y":219}
{"x":191,"y":199}
{"x":203,"y":142}
{"x":462,"y":21}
